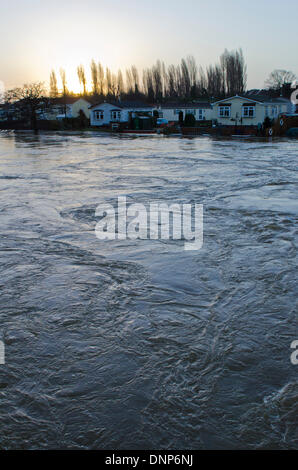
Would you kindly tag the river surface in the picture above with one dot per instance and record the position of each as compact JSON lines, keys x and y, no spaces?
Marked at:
{"x":139,"y":344}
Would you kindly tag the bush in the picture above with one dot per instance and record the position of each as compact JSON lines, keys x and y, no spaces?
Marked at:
{"x":267,"y":122}
{"x":181,"y":118}
{"x":190,"y":120}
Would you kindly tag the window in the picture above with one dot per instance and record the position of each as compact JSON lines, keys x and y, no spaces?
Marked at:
{"x":248,"y":111}
{"x":98,"y":115}
{"x":115,"y":115}
{"x":201,"y":114}
{"x":224,"y":111}
{"x":190,"y":111}
{"x":177,"y":111}
{"x":274,"y":111}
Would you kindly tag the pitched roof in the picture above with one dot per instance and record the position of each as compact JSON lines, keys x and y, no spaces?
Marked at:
{"x":125,"y":104}
{"x":233,"y":97}
{"x":196,"y":105}
{"x":267,"y":96}
{"x":261,"y":99}
{"x":68,"y":100}
{"x":268,"y":99}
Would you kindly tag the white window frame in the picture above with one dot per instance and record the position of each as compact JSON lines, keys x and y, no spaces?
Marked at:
{"x":115,"y":115}
{"x":98,"y":115}
{"x":190,"y":111}
{"x":201,"y":114}
{"x":226,"y":111}
{"x":248,"y":111}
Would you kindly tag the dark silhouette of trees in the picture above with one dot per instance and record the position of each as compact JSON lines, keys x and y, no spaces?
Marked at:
{"x":148,"y":85}
{"x":53,"y":85}
{"x":64,"y":89}
{"x":109,"y":89}
{"x":101,"y":78}
{"x":97,"y":78}
{"x":82,"y":77}
{"x":120,"y":84}
{"x":234,"y":72}
{"x":94,"y":77}
{"x":64,"y":83}
{"x":278,"y":78}
{"x":135,"y":79}
{"x":187,"y":81}
{"x":26,"y":100}
{"x":183,"y":82}
{"x":215,"y":82}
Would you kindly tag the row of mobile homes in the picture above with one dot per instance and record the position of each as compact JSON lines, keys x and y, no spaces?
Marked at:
{"x":248,"y":110}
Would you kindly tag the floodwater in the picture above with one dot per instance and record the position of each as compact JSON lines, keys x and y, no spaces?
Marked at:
{"x":139,"y":344}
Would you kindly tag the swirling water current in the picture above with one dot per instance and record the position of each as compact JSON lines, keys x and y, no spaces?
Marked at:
{"x":141,"y":344}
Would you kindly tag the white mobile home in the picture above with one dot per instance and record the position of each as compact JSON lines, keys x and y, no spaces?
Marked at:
{"x":241,"y":110}
{"x":105,"y":113}
{"x":171,"y":112}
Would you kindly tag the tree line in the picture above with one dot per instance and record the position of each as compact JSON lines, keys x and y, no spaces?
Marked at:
{"x":185,"y":81}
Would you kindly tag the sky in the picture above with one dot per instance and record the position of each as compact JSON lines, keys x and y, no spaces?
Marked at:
{"x":39,"y":35}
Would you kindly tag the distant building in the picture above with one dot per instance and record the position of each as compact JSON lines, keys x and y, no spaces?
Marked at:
{"x":3,"y":114}
{"x":249,"y":111}
{"x":9,"y":112}
{"x":106,"y":113}
{"x":172,"y":111}
{"x":59,"y":108}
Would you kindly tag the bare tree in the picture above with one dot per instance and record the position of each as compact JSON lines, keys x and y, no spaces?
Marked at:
{"x":202,"y":82}
{"x":234,"y":72}
{"x":82,"y":77}
{"x":193,"y":75}
{"x":157,"y":81}
{"x":120,"y":84}
{"x":109,"y":83}
{"x":148,"y":84}
{"x":129,"y":82}
{"x":135,"y":79}
{"x":185,"y":79}
{"x":27,"y":100}
{"x":279,"y":77}
{"x":101,"y":79}
{"x":64,"y":88}
{"x":172,"y":88}
{"x":94,"y":77}
{"x":114,"y":85}
{"x":64,"y":83}
{"x":53,"y":85}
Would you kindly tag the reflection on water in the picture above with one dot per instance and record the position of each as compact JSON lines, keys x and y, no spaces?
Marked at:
{"x":139,"y":344}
